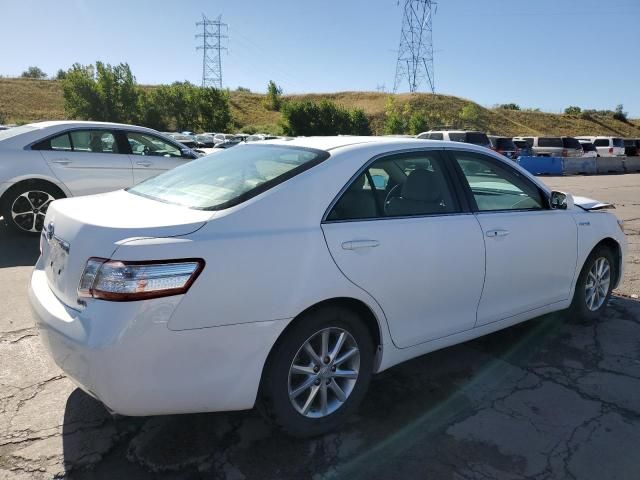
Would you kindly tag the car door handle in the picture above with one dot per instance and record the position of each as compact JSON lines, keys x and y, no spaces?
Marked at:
{"x":356,"y":244}
{"x":497,"y":233}
{"x":144,"y":163}
{"x":61,"y":161}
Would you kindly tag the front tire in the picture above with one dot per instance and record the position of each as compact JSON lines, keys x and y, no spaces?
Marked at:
{"x":594,"y":285}
{"x":318,"y":373}
{"x":25,"y":206}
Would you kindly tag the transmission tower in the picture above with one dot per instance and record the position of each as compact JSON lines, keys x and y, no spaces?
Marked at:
{"x":213,"y":33}
{"x":415,"y":54}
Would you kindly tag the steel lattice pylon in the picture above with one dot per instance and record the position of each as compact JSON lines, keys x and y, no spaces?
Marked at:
{"x":415,"y":54}
{"x":212,"y":36}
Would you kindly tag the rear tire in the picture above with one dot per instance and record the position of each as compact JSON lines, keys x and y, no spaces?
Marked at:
{"x":306,"y":397}
{"x":25,"y":205}
{"x":594,"y":285}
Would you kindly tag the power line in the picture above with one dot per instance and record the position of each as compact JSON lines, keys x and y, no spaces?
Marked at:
{"x":212,"y":36}
{"x":415,"y":53}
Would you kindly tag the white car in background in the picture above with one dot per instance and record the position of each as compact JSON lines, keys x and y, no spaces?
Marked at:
{"x":40,"y":162}
{"x":286,"y":273}
{"x":606,"y":146}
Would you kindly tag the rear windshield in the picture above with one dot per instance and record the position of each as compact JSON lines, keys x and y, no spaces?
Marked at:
{"x":505,"y":144}
{"x":570,"y":142}
{"x":224,"y":179}
{"x":12,"y":132}
{"x":477,"y":138}
{"x":521,"y":143}
{"x":618,"y":142}
{"x":588,"y":147}
{"x":601,"y":142}
{"x":550,"y":142}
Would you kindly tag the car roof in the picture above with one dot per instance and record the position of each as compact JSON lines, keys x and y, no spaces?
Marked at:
{"x":83,"y":123}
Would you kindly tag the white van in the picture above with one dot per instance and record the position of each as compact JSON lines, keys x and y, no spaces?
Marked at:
{"x":606,"y":146}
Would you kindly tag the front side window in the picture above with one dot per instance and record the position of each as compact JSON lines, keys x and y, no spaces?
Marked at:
{"x":95,"y":141}
{"x":403,"y":185}
{"x":229,"y":177}
{"x":145,"y":144}
{"x":497,"y":187}
{"x":436,"y":136}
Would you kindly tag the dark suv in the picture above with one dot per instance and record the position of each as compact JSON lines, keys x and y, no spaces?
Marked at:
{"x":632,"y":147}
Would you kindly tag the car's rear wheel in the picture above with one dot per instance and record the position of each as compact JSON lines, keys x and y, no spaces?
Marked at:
{"x":594,"y":285}
{"x":25,"y":206}
{"x":318,"y":372}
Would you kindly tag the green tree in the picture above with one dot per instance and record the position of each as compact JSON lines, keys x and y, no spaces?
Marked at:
{"x":620,"y":114}
{"x":394,"y":123}
{"x":81,"y":99}
{"x":509,"y":106}
{"x":418,"y":123}
{"x":34,"y":72}
{"x":572,"y":110}
{"x":61,"y":74}
{"x":359,"y":122}
{"x":273,"y":100}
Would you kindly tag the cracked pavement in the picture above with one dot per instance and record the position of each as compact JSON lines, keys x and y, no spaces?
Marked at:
{"x":550,"y":398}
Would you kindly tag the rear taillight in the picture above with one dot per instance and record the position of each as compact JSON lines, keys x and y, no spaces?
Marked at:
{"x":565,"y":152}
{"x":126,"y":281}
{"x":610,"y":149}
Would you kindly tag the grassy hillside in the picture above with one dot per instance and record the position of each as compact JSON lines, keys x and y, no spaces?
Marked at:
{"x":25,"y":100}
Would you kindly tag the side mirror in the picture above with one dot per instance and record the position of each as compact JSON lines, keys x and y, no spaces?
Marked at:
{"x":188,"y":153}
{"x":559,"y":200}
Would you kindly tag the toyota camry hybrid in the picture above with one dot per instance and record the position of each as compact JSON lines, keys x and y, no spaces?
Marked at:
{"x":283,"y":274}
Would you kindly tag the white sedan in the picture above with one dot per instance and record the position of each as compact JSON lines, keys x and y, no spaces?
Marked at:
{"x":43,"y":161}
{"x":286,"y":273}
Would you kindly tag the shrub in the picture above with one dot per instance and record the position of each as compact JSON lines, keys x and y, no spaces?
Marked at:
{"x":572,"y":110}
{"x":323,"y":118}
{"x":34,"y":72}
{"x":509,"y":106}
{"x":470,"y":114}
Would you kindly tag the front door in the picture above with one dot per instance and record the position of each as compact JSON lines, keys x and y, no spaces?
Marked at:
{"x":399,"y":233}
{"x":531,"y":249}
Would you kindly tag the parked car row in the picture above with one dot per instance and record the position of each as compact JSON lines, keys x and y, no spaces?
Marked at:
{"x":550,"y":146}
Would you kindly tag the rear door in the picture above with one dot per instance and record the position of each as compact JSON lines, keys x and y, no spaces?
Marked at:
{"x":531,"y":250}
{"x":152,"y":155}
{"x":87,"y":161}
{"x":400,"y":233}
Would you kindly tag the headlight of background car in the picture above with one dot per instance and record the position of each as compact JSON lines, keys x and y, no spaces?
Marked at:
{"x":125,"y":281}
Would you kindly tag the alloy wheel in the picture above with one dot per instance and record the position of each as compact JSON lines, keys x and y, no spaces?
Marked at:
{"x":29,"y":209}
{"x":324,"y":372}
{"x":597,"y":284}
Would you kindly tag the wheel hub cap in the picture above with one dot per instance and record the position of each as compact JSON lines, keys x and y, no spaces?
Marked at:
{"x":324,"y":372}
{"x":29,"y":209}
{"x":597,"y":285}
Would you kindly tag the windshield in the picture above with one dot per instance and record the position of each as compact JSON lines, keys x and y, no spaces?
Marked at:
{"x":12,"y":132}
{"x":218,"y":181}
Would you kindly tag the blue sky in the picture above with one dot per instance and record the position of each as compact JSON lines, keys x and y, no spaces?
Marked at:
{"x":545,"y":54}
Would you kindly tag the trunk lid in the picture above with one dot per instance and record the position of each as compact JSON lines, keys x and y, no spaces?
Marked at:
{"x":76,"y":229}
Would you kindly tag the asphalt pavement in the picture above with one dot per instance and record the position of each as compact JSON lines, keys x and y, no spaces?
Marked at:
{"x":551,"y":398}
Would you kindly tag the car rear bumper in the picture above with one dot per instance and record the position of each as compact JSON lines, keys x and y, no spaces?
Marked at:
{"x":123,"y":354}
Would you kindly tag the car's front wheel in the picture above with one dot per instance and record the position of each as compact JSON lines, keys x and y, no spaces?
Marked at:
{"x":25,"y":206}
{"x":594,"y":285}
{"x":318,"y":372}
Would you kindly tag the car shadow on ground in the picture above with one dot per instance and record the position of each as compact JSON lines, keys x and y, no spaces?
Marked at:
{"x":17,"y":249}
{"x":402,"y":428}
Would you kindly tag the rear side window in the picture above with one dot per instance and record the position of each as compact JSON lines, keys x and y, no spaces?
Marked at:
{"x":457,"y":136}
{"x":412,"y":184}
{"x":570,"y":142}
{"x":601,"y":142}
{"x":550,"y":142}
{"x":95,"y":141}
{"x":477,"y":138}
